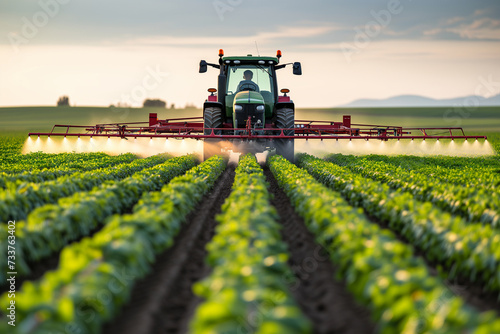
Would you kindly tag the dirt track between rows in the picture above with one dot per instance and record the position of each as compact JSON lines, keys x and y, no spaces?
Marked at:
{"x":163,"y":302}
{"x":326,"y":301}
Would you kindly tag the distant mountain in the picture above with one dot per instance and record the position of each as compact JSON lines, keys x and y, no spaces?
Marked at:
{"x":422,"y":101}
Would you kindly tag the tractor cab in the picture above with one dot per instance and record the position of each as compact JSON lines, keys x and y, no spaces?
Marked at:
{"x":251,"y":91}
{"x":248,"y":98}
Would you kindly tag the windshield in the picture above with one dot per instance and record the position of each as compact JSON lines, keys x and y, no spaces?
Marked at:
{"x":239,"y":75}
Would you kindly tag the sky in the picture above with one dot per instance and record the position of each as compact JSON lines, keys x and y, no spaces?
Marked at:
{"x":120,"y":51}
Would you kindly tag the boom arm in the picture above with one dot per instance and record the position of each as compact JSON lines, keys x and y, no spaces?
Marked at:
{"x":304,"y":129}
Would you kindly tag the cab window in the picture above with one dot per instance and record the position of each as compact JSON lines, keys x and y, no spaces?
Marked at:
{"x":261,"y":77}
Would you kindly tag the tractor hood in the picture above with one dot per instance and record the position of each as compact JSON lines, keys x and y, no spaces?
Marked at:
{"x":248,"y":105}
{"x":248,"y":97}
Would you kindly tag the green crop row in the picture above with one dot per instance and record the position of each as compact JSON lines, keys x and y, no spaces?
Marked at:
{"x":464,"y":249}
{"x":379,"y":270}
{"x":15,"y":205}
{"x":96,"y":275}
{"x":10,"y":145}
{"x":19,"y":163}
{"x":49,"y":228}
{"x":472,"y":174}
{"x":36,"y":176}
{"x":476,"y":204}
{"x":475,"y":173}
{"x":412,"y":162}
{"x":249,"y":261}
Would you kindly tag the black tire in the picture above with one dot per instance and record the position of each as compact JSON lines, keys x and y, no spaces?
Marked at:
{"x":212,"y":118}
{"x":285,"y":119}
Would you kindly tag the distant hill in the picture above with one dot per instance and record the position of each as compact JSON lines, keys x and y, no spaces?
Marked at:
{"x":422,"y":101}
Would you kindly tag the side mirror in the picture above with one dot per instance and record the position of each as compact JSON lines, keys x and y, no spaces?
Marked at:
{"x":297,"y":68}
{"x":203,"y":66}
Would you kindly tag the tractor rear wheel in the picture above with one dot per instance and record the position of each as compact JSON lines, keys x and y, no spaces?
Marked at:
{"x":212,"y":119}
{"x":285,"y":119}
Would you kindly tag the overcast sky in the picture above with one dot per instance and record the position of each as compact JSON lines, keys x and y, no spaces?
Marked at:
{"x":103,"y":52}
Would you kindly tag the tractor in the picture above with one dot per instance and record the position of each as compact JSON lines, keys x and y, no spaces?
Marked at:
{"x":247,"y":101}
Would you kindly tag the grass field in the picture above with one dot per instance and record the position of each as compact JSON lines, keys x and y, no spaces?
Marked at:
{"x":484,"y":119}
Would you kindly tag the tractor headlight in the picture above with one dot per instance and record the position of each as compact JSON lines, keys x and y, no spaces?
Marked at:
{"x":238,"y":108}
{"x":260,"y":108}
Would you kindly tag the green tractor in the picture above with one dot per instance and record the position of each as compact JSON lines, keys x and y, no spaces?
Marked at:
{"x":247,"y":110}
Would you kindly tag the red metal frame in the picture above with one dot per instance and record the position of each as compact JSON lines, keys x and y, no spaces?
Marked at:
{"x":192,"y":127}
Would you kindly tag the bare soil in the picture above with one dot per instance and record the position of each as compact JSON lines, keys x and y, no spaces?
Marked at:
{"x":324,"y":299}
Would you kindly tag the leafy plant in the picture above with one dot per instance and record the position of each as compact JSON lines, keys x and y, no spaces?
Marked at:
{"x":74,"y":163}
{"x":469,"y":191}
{"x":462,"y":248}
{"x":379,"y":270}
{"x":249,"y":261}
{"x":49,"y":228}
{"x":109,"y":263}
{"x":16,"y":204}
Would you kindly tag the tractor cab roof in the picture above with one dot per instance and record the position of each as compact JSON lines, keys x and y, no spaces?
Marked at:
{"x":249,"y":59}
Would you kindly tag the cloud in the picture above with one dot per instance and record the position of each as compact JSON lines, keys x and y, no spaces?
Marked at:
{"x":454,"y":20}
{"x":480,"y":12}
{"x":484,"y":28}
{"x":433,"y":32}
{"x":262,"y":37}
{"x":94,"y":22}
{"x":481,"y":24}
{"x":394,"y":33}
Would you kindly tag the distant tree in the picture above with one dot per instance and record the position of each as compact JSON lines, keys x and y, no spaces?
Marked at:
{"x":154,"y":103}
{"x":190,"y":106}
{"x":63,"y":101}
{"x":123,"y":105}
{"x":172,"y":106}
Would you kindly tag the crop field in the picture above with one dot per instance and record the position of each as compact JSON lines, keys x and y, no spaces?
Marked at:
{"x":93,"y":243}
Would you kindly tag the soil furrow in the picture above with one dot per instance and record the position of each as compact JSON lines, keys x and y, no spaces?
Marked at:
{"x":325,"y":300}
{"x":163,"y":301}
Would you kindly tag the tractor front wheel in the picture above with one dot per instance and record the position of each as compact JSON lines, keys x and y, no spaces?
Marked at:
{"x":285,"y":119}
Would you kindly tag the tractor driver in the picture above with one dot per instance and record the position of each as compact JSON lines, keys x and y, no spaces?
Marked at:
{"x":248,"y":84}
